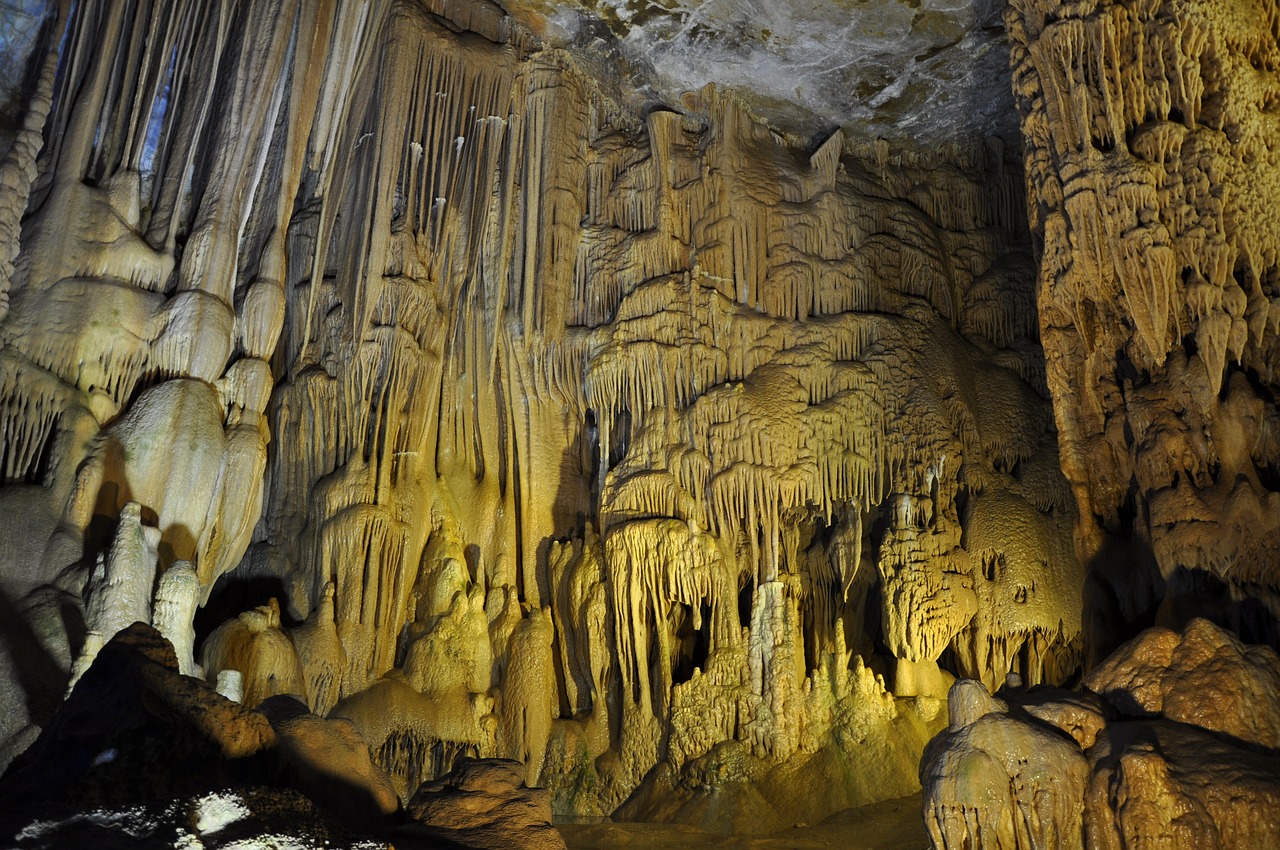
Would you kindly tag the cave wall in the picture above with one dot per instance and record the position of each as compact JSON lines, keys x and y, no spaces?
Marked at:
{"x":1151,"y":162}
{"x":659,"y":451}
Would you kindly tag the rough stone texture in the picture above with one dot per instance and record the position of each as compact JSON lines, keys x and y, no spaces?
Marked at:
{"x":1157,"y":785}
{"x":631,"y":438}
{"x":134,"y":731}
{"x":134,"y":728}
{"x":244,"y":818}
{"x":486,"y":804}
{"x":600,"y":435}
{"x":1203,"y":677}
{"x":996,"y":781}
{"x":1080,"y":715}
{"x":1152,"y":169}
{"x":1132,"y":678}
{"x":329,"y":761}
{"x":919,"y":71}
{"x":1179,"y":751}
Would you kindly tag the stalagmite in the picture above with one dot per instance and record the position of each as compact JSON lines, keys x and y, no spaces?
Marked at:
{"x":528,"y":705}
{"x":231,"y":685}
{"x":994,"y":781}
{"x":638,"y":441}
{"x":414,"y":737}
{"x":254,"y":646}
{"x":321,"y":655}
{"x":173,"y":613}
{"x":119,"y":591}
{"x":454,"y":652}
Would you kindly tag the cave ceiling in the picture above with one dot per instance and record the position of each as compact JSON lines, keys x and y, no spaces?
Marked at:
{"x":918,"y":70}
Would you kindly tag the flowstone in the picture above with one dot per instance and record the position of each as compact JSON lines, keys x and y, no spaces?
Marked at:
{"x":1152,"y":167}
{"x":651,"y":448}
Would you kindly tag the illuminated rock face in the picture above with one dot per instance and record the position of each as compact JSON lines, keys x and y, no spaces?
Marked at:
{"x":1152,"y":167}
{"x":1151,"y":162}
{"x":1170,"y":743}
{"x":615,"y":444}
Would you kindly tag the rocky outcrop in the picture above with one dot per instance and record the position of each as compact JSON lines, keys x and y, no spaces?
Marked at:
{"x":995,"y":781}
{"x":135,"y":731}
{"x":328,"y":760}
{"x":133,"y":728}
{"x":140,"y":752}
{"x":1202,"y":677}
{"x":485,"y":803}
{"x":1171,"y":745}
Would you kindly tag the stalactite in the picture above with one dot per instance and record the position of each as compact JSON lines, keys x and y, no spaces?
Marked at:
{"x":18,"y":168}
{"x":1153,"y":186}
{"x":552,"y":422}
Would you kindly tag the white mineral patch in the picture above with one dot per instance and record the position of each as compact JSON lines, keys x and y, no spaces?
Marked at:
{"x":130,"y":821}
{"x":187,"y":841}
{"x":271,"y":842}
{"x":218,"y":811}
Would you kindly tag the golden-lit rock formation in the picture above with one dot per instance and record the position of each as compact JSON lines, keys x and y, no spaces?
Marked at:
{"x":1151,"y":165}
{"x":1163,"y":748}
{"x":993,"y":781}
{"x":1152,"y":168}
{"x":672,"y":457}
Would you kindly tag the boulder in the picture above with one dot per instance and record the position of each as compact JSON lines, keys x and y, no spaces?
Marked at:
{"x":134,"y":731}
{"x":484,"y":803}
{"x":329,"y":761}
{"x":1157,"y":785}
{"x":1204,"y":677}
{"x":1175,"y":743}
{"x":134,"y":728}
{"x":1000,"y":782}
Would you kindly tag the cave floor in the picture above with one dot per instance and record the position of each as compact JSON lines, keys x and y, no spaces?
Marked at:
{"x":890,"y":825}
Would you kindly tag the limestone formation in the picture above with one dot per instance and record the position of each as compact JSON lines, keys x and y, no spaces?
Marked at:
{"x":118,"y":594}
{"x":173,"y":613}
{"x":597,"y":438}
{"x":484,"y":803}
{"x":329,"y":761}
{"x":134,"y":727}
{"x":1202,"y":677}
{"x":321,"y":656}
{"x":994,"y":781}
{"x":254,"y":645}
{"x":419,"y":373}
{"x":1172,"y":745}
{"x":1152,"y":166}
{"x":161,"y":751}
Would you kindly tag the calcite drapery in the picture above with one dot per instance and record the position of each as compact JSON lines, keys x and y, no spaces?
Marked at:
{"x":1152,"y":163}
{"x":579,"y":421}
